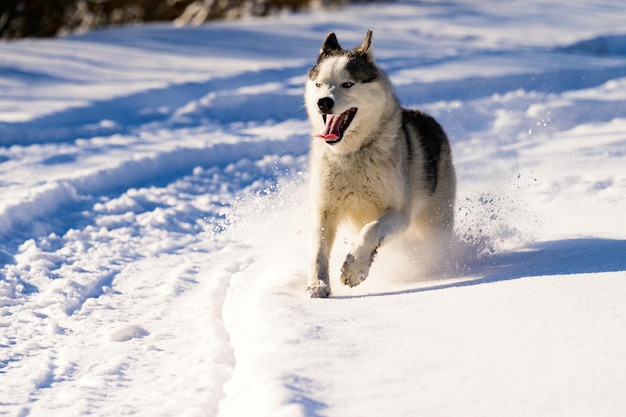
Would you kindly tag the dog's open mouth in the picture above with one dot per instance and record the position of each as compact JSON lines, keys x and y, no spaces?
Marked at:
{"x":336,"y":125}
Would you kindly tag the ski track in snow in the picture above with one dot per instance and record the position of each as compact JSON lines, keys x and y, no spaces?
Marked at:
{"x":153,"y":221}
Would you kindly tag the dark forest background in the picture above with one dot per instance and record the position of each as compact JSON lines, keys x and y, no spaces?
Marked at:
{"x":40,"y":18}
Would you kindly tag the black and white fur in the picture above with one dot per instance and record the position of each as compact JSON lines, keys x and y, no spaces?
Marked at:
{"x":375,"y":166}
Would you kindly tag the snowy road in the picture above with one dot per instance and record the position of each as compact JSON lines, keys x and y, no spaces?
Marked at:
{"x":153,"y":221}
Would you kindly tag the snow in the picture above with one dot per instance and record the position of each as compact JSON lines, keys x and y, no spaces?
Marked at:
{"x":153,"y":221}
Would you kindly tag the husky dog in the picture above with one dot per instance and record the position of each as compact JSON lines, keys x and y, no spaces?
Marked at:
{"x":375,"y":166}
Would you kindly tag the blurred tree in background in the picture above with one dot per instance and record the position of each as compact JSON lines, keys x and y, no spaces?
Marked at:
{"x":24,"y":18}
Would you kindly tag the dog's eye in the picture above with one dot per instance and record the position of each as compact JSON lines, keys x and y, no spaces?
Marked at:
{"x":347,"y":84}
{"x":318,"y":85}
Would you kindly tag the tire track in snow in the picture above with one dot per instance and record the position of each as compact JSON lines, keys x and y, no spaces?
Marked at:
{"x":66,"y":199}
{"x":134,"y":353}
{"x":47,"y":200}
{"x":155,"y":209}
{"x":79,"y":275}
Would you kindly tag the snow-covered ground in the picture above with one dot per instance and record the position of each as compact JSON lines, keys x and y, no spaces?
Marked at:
{"x":153,"y":221}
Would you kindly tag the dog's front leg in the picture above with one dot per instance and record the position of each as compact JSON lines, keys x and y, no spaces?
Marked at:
{"x":357,"y":265}
{"x":322,"y":240}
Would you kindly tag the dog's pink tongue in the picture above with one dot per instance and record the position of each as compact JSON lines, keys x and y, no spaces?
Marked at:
{"x":332,"y":131}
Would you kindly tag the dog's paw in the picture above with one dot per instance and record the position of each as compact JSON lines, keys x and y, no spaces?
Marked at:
{"x":354,"y":270}
{"x":320,"y":290}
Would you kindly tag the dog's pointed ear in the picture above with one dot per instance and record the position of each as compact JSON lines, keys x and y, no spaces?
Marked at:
{"x":330,"y":44}
{"x":366,"y":47}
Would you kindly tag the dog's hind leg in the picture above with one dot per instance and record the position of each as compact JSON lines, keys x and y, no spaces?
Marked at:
{"x":357,"y":265}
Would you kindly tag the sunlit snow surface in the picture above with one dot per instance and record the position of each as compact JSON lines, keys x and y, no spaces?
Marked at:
{"x":153,"y":221}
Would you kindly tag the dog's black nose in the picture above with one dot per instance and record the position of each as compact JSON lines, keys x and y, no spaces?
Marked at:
{"x":325,"y":104}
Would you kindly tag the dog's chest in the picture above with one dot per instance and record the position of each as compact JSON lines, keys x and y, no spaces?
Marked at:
{"x":362,"y":185}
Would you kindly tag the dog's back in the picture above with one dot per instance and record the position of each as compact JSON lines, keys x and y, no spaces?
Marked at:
{"x":427,"y":143}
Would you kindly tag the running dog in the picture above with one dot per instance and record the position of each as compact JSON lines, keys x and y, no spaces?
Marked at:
{"x":376,"y":167}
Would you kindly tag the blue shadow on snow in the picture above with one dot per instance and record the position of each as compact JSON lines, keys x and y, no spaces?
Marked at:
{"x":559,"y":257}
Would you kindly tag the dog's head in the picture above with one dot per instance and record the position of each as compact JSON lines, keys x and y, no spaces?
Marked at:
{"x":345,"y":94}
